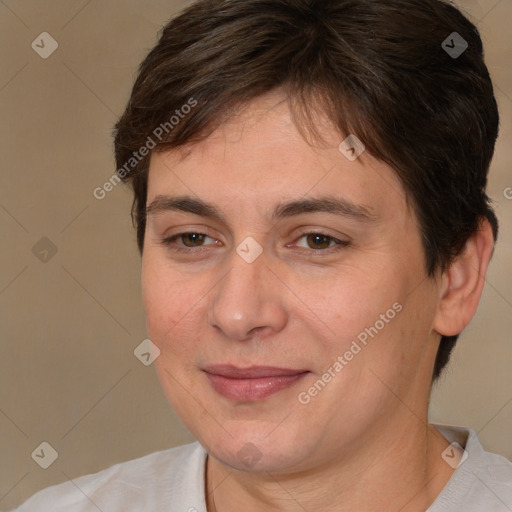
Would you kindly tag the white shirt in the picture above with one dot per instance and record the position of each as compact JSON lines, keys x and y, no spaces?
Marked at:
{"x":174,"y":481}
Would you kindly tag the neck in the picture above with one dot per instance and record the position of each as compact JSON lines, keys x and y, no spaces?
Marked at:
{"x":389,"y":471}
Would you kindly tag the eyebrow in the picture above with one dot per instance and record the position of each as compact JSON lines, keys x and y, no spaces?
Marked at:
{"x":325,"y":204}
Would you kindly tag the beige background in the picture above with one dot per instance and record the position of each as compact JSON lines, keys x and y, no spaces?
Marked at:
{"x":69,"y":326}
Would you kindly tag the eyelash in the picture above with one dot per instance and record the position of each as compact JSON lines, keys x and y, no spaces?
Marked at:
{"x":340,"y":244}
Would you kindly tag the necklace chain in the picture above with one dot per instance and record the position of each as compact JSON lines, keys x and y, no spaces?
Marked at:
{"x":210,"y":481}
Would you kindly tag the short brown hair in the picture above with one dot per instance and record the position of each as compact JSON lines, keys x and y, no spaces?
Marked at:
{"x":376,"y":68}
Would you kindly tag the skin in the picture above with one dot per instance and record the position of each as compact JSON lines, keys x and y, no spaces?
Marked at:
{"x":363,"y":442}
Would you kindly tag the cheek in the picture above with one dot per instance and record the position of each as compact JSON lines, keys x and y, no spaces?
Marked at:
{"x":169,"y":301}
{"x":355,"y":301}
{"x":172,"y":306}
{"x":373,"y":319}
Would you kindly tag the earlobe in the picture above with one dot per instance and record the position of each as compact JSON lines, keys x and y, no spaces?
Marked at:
{"x":462,"y":283}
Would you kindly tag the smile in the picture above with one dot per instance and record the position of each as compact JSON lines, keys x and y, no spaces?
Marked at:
{"x":251,"y":384}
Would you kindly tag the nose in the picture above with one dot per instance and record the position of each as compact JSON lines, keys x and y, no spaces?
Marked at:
{"x":249,"y":300}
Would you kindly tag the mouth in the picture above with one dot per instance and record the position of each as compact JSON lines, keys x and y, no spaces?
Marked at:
{"x":251,"y":384}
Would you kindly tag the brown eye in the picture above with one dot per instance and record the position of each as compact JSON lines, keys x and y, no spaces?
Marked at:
{"x":186,"y":242}
{"x":195,"y":239}
{"x":318,"y":241}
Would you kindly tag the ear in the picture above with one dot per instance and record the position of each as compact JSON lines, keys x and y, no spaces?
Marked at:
{"x":462,"y":283}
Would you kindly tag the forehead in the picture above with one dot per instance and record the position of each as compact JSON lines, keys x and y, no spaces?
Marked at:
{"x":259,"y":158}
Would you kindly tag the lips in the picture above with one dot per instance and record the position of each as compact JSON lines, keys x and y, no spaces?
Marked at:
{"x":254,"y":372}
{"x":251,"y":384}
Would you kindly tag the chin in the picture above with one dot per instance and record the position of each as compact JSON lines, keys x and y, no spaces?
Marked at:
{"x":253,"y":450}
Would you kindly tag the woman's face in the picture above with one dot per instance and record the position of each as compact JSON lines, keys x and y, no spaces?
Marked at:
{"x":333,"y":303}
